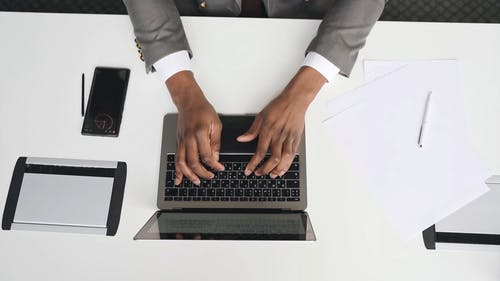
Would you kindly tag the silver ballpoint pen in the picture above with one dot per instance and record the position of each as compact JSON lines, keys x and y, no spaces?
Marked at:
{"x":424,"y":119}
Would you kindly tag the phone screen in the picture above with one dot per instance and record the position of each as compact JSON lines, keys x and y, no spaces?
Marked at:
{"x":107,"y":98}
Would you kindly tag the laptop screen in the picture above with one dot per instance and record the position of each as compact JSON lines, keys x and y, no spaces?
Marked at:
{"x":228,"y":226}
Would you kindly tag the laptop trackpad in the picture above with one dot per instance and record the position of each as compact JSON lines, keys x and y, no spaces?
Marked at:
{"x":233,"y":127}
{"x":228,"y":226}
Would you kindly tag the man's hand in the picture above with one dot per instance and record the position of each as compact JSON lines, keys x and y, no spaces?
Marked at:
{"x":198,"y":130}
{"x":280,"y":125}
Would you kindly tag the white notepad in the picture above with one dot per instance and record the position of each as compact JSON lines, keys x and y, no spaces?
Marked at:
{"x":376,"y":128}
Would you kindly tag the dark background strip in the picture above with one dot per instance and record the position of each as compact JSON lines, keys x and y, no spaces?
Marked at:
{"x":475,"y":11}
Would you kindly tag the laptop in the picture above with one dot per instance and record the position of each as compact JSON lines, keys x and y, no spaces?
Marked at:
{"x":231,"y":206}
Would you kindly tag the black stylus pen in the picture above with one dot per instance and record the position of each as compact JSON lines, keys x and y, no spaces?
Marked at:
{"x":83,"y":94}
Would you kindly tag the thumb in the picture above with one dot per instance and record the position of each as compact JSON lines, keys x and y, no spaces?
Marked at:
{"x":252,"y":133}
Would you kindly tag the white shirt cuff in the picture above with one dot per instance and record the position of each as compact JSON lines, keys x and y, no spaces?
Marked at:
{"x":173,"y":63}
{"x":322,"y":65}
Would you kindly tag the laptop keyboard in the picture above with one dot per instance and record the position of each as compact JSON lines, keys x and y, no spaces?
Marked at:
{"x":232,"y":184}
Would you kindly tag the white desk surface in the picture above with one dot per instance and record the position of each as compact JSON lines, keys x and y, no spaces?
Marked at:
{"x":241,"y":64}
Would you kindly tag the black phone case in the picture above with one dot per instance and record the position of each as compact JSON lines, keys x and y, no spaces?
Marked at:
{"x":94,"y":131}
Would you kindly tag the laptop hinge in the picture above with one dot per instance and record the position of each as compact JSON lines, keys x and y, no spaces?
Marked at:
{"x":231,"y":210}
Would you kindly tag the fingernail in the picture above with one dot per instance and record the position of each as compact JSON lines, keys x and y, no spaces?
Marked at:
{"x":273,"y":176}
{"x":217,"y":156}
{"x":247,"y":172}
{"x":282,"y":173}
{"x":258,"y":174}
{"x":197,"y":182}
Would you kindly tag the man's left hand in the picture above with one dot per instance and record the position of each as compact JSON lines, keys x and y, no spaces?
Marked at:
{"x":280,"y":124}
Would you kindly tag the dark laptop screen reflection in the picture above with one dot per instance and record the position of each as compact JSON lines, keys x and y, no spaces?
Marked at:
{"x":230,"y":226}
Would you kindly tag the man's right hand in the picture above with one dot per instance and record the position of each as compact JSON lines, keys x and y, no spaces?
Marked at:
{"x":198,"y":130}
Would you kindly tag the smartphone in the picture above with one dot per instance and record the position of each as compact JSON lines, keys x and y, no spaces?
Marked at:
{"x":106,"y":101}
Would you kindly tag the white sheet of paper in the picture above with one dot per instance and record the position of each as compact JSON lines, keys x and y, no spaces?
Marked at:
{"x":376,"y":128}
{"x":374,"y":69}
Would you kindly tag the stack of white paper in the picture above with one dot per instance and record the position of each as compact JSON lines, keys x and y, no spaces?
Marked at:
{"x":376,"y":127}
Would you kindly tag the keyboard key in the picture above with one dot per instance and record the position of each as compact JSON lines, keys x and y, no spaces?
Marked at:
{"x":215,"y":183}
{"x":234,"y":198}
{"x":232,"y":175}
{"x":262,"y":199}
{"x":223,"y":175}
{"x":252,"y":199}
{"x":294,"y":167}
{"x":186,"y":183}
{"x":234,"y":183}
{"x":186,"y":198}
{"x":170,"y":166}
{"x":170,"y":175}
{"x":219,"y":192}
{"x":280,"y":183}
{"x":192,"y":192}
{"x":170,"y":157}
{"x":266,"y":192}
{"x":281,"y":199}
{"x":295,"y":193}
{"x":293,"y":199}
{"x":205,"y":199}
{"x":291,"y":175}
{"x":262,"y":183}
{"x":296,"y":158}
{"x":229,"y":192}
{"x":171,"y":192}
{"x":215,"y":199}
{"x":248,"y":192}
{"x":244,"y":183}
{"x":239,"y":192}
{"x":276,"y":192}
{"x":236,"y":166}
{"x":228,"y":166}
{"x":211,"y":192}
{"x":224,"y":183}
{"x":196,"y":198}
{"x":252,"y":183}
{"x":208,"y":168}
{"x":257,"y":192}
{"x":241,"y":176}
{"x":206,"y":183}
{"x":177,"y":198}
{"x":183,"y":192}
{"x":271,"y":183}
{"x":202,"y":192}
{"x":271,"y":199}
{"x":169,"y":198}
{"x":224,"y":199}
{"x":170,"y":183}
{"x":292,"y":184}
{"x":285,"y":192}
{"x":243,"y":199}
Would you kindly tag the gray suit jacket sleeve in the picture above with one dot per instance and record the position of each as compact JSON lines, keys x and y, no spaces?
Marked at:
{"x":158,"y":28}
{"x":344,"y":30}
